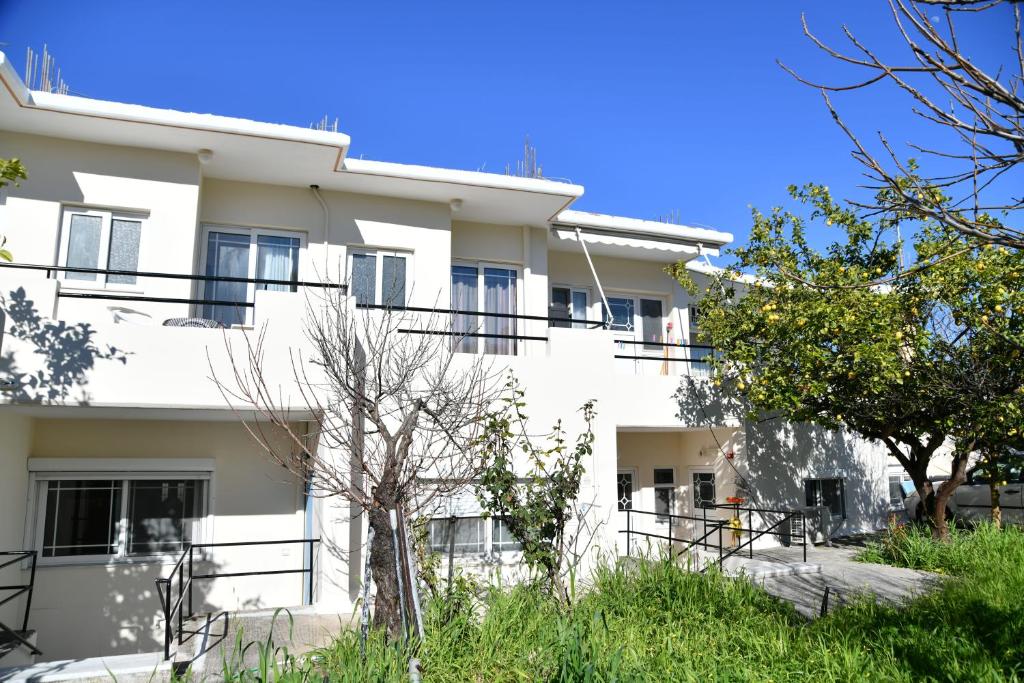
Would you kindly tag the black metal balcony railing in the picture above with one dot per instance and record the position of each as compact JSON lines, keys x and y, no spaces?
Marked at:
{"x":18,"y":636}
{"x":177,"y":609}
{"x":691,"y":357}
{"x":697,"y":353}
{"x":99,"y":293}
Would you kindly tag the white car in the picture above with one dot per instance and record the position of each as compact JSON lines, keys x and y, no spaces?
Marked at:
{"x":972,"y":500}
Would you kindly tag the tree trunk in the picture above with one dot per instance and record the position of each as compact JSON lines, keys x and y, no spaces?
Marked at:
{"x":940,"y":529}
{"x":386,"y":612}
{"x":997,"y":512}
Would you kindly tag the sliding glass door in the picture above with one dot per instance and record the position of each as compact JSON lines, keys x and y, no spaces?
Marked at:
{"x":250,"y":254}
{"x":486,"y":289}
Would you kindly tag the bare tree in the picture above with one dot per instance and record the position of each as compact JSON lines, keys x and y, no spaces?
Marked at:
{"x":983,"y":108}
{"x":395,"y":410}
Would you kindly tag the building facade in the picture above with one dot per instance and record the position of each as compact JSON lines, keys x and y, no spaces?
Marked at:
{"x":120,"y":451}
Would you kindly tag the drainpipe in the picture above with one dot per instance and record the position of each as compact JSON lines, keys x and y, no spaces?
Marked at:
{"x":593,"y":271}
{"x":327,"y":230}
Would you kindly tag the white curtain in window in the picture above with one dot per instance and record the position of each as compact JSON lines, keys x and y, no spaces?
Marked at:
{"x":499,"y":297}
{"x":277,"y":258}
{"x":464,"y":298}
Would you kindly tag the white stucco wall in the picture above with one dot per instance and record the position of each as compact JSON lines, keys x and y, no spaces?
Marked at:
{"x":83,"y":610}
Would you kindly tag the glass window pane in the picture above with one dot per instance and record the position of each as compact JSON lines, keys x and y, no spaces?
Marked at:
{"x":83,"y":245}
{"x":664,"y":476}
{"x":499,"y":297}
{"x":469,"y":535}
{"x":664,"y":502}
{"x":277,"y":258}
{"x":392,"y":284}
{"x":624,"y":491}
{"x":502,"y":539}
{"x":161,"y":515}
{"x":650,"y":314}
{"x":364,"y":278}
{"x":622,"y":314}
{"x":579,"y":308}
{"x":703,"y":489}
{"x":227,"y":255}
{"x":464,"y":298}
{"x":124,"y":249}
{"x":81,"y":518}
{"x":832,"y":495}
{"x":559,"y":307}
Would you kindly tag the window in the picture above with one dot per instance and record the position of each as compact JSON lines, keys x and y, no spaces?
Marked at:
{"x":896,"y":479}
{"x":703,"y":490}
{"x":487,"y":289}
{"x":569,"y":302}
{"x":469,"y":535}
{"x":624,"y":491}
{"x":637,"y":314}
{"x":502,"y":540}
{"x":473,"y":536}
{"x":622,"y":314}
{"x":107,"y":518}
{"x":248,"y":254}
{"x":104,"y":240}
{"x":830,"y":493}
{"x":378,"y":277}
{"x":664,"y":493}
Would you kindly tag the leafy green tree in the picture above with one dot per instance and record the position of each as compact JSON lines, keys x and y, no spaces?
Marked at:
{"x":11,"y":171}
{"x":537,"y":503}
{"x":843,"y":338}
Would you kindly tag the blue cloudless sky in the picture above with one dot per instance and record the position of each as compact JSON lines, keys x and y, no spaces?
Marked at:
{"x":656,"y":107}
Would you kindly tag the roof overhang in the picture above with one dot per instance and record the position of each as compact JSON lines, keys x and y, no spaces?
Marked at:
{"x":253,"y":151}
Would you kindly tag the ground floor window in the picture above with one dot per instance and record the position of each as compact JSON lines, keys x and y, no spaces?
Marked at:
{"x":118,"y":517}
{"x":830,"y":493}
{"x":473,"y":536}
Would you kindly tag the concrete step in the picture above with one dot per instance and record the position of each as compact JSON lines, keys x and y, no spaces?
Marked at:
{"x":224,"y":637}
{"x":764,"y":568}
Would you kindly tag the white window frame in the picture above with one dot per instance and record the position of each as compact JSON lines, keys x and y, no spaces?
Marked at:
{"x":489,"y":550}
{"x":574,"y":289}
{"x":672,"y":488}
{"x":378,"y":271}
{"x":481,"y":298}
{"x":44,"y":470}
{"x":895,"y":471}
{"x":254,"y":233}
{"x":107,"y":217}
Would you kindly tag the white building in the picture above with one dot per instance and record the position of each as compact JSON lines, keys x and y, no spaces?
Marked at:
{"x":112,"y":427}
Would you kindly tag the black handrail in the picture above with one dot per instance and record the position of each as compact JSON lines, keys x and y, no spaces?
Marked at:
{"x":173,"y":276}
{"x":485,"y":314}
{"x":167,"y":276}
{"x":718,"y":526}
{"x":177,"y":610}
{"x":19,"y":589}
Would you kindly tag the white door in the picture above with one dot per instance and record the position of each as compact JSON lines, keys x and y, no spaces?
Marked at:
{"x":625,"y":497}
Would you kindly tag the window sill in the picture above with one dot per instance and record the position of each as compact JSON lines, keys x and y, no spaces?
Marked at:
{"x":108,"y":561}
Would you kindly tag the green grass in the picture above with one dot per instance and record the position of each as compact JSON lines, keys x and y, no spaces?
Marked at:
{"x":657,"y":622}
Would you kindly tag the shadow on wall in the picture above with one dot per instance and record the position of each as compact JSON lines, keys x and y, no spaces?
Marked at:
{"x":779,"y":455}
{"x":68,"y":353}
{"x":96,"y":610}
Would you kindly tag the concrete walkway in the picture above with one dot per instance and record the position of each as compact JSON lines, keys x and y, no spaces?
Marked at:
{"x":844,"y":577}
